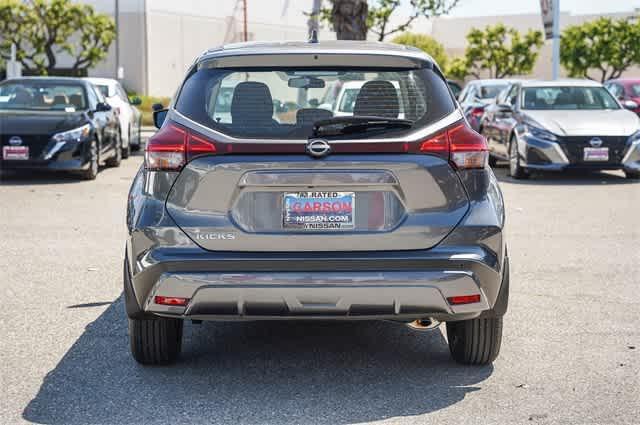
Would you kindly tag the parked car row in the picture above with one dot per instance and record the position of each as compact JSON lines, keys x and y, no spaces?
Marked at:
{"x":66,"y":124}
{"x":557,"y":125}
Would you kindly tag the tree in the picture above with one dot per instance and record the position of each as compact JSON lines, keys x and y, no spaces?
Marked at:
{"x":44,"y":29}
{"x":607,"y":46}
{"x":379,"y":15}
{"x":457,"y":69}
{"x":381,"y":11}
{"x":349,"y":19}
{"x":425,"y":43}
{"x":499,"y":51}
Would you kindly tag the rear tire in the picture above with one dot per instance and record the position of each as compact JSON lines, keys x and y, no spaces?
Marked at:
{"x":155,"y":341}
{"x":515,"y":169}
{"x":493,"y":161}
{"x":475,"y":341}
{"x":633,"y":175}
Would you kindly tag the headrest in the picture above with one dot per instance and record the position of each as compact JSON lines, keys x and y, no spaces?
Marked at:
{"x":251,"y":103}
{"x":377,"y":98}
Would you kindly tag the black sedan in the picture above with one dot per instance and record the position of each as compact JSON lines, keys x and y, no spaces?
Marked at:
{"x":57,"y":123}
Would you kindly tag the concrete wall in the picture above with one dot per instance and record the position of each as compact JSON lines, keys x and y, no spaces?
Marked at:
{"x":180,"y":31}
{"x":130,"y":44}
{"x":159,"y":39}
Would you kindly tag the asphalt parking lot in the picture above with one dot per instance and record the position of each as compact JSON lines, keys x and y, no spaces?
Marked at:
{"x":571,"y":351}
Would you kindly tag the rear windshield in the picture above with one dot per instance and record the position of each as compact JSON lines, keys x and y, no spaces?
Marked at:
{"x":285,"y":103}
{"x":567,"y":98}
{"x":41,"y":95}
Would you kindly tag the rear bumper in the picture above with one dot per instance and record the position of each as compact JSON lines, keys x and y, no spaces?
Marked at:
{"x":377,"y":285}
{"x":392,"y":295}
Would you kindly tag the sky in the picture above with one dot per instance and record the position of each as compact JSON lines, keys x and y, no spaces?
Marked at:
{"x":507,"y":7}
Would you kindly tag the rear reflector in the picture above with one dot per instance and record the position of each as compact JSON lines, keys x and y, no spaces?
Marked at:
{"x":172,"y":146}
{"x":459,"y":144}
{"x":170,"y":300}
{"x":464,"y":299}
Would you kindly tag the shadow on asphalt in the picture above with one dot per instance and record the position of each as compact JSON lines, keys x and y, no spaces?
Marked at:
{"x":275,"y":372}
{"x":565,"y":178}
{"x":38,"y":177}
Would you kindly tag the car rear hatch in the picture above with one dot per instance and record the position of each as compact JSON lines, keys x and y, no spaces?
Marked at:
{"x":269,"y":166}
{"x":296,"y":203}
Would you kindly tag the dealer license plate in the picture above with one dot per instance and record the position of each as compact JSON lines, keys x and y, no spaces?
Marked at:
{"x":596,"y":154}
{"x":15,"y":152}
{"x":319,"y":210}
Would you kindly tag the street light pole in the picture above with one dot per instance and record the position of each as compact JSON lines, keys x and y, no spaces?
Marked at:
{"x":555,"y":59}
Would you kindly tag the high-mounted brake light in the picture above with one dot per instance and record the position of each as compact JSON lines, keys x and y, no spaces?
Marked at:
{"x":459,"y":144}
{"x":172,"y":146}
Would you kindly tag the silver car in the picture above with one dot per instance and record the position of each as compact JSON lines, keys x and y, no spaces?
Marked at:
{"x":250,"y":213}
{"x":559,"y":125}
{"x":476,"y":96}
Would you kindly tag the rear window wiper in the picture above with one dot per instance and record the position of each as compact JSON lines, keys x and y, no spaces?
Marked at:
{"x":356,"y":124}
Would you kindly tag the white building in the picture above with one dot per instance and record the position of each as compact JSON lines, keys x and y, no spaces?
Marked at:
{"x":159,"y":39}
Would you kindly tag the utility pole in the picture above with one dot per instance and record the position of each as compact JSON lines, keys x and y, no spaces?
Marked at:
{"x":555,"y":59}
{"x":244,"y":11}
{"x":117,"y":21}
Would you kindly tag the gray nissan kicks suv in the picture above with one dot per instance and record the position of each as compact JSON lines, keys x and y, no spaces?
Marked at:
{"x":254,"y":203}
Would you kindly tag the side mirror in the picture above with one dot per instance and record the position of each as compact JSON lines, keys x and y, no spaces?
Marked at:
{"x":103,"y":107}
{"x":157,"y":107}
{"x":159,"y":116}
{"x":630,"y":104}
{"x":135,"y":100}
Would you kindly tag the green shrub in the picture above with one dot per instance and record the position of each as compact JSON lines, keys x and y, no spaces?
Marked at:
{"x":145,"y":106}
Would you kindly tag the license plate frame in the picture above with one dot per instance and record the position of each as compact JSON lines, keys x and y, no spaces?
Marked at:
{"x":596,"y":154}
{"x":318,"y":211}
{"x":15,"y":153}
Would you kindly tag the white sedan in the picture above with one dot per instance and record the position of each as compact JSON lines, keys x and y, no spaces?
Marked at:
{"x":128,"y":115}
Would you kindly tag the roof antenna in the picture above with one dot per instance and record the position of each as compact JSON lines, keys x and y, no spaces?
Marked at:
{"x":313,"y":38}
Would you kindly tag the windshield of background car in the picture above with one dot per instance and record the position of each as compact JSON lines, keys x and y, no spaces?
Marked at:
{"x":285,"y":103}
{"x":491,"y":91}
{"x":567,"y":98}
{"x":635,"y":90}
{"x":42,"y":96}
{"x":104,"y":89}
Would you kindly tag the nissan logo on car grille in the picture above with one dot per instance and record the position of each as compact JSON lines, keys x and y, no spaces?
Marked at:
{"x":318,"y":148}
{"x":15,"y":141}
{"x":596,"y":142}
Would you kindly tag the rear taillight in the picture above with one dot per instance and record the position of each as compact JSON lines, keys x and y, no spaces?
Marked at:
{"x":172,"y":146}
{"x":460,"y":145}
{"x":477,"y":111}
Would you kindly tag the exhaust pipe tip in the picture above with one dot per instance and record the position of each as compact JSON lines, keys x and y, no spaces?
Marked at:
{"x":423,"y":325}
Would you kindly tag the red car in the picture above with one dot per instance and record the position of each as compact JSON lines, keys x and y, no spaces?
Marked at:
{"x":627,"y":91}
